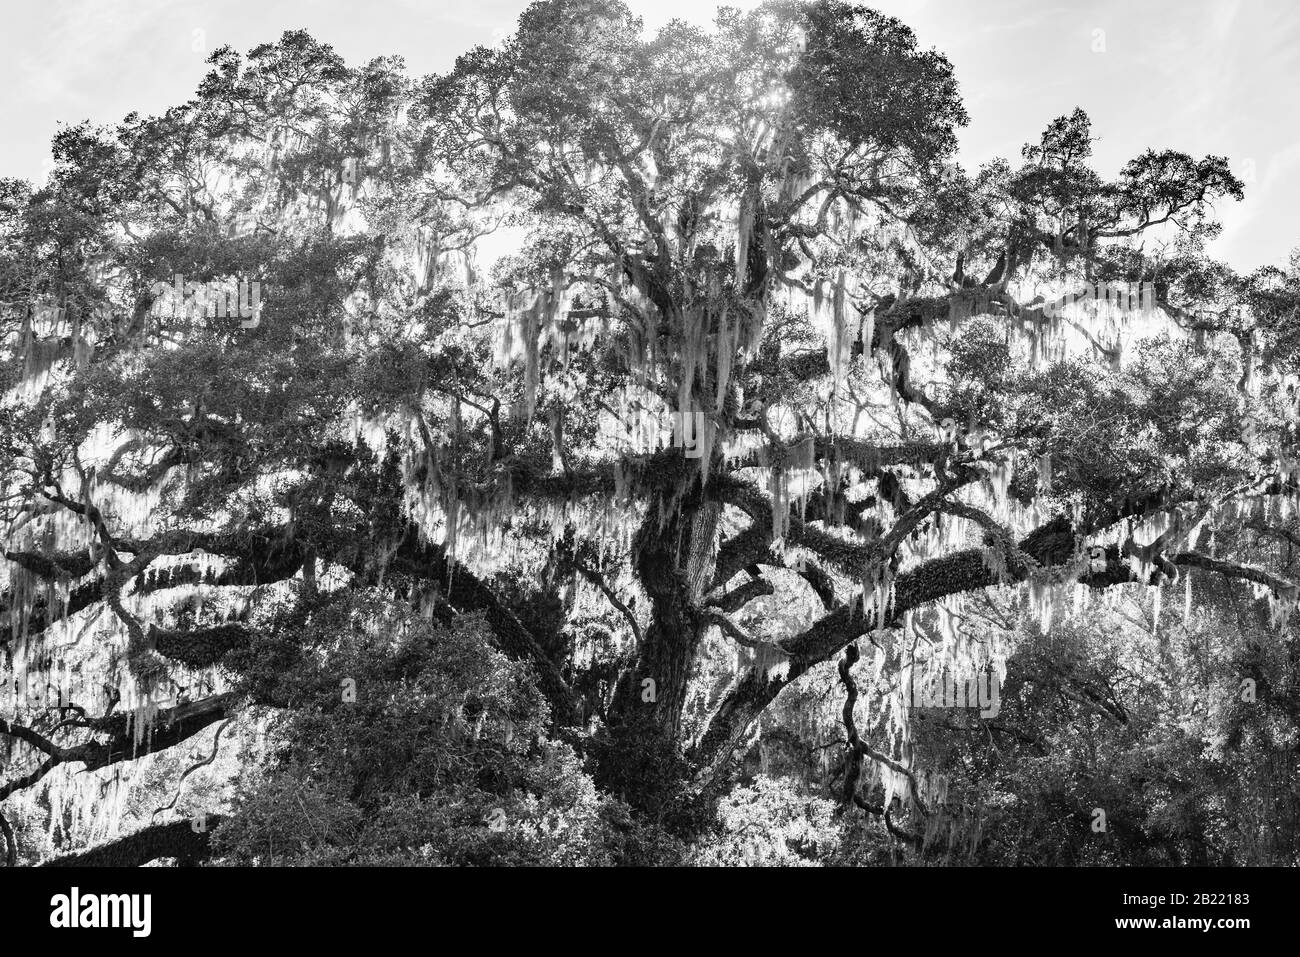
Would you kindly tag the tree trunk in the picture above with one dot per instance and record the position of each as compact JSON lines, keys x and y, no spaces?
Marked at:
{"x":642,"y":759}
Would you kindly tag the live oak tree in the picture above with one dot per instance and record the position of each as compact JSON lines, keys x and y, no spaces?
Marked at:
{"x":756,"y":363}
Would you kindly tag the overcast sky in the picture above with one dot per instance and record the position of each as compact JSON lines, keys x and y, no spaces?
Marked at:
{"x":1203,"y":76}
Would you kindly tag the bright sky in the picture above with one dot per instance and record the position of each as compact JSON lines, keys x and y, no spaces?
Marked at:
{"x":1203,"y":76}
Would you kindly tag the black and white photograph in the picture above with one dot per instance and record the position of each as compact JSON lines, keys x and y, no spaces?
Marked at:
{"x":650,"y":437}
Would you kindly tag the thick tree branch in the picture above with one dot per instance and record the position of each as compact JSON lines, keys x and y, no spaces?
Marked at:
{"x":176,"y":839}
